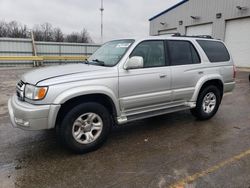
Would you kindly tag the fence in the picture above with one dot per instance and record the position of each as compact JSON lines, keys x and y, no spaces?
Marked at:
{"x":28,"y":52}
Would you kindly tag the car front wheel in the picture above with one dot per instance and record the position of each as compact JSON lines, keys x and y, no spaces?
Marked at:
{"x":85,"y":127}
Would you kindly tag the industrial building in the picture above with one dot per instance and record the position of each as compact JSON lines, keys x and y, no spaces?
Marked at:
{"x":228,"y":20}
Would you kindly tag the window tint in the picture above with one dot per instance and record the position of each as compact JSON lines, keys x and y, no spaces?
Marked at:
{"x":215,"y":51}
{"x":195,"y":55}
{"x":152,"y":53}
{"x":182,"y":53}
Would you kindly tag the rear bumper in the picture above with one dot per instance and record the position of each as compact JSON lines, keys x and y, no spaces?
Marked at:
{"x":228,"y":87}
{"x":31,"y":117}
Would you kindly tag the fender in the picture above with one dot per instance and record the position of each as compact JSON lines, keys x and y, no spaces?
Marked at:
{"x":85,"y":90}
{"x":202,"y":81}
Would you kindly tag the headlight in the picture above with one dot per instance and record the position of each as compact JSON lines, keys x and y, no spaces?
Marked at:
{"x":35,"y":93}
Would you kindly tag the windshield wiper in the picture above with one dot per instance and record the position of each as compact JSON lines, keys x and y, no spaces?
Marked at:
{"x":99,"y":62}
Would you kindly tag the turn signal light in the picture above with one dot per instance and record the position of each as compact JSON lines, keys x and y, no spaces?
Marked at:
{"x":41,"y":92}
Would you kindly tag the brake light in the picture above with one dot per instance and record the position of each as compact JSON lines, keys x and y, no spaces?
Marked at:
{"x":234,"y":72}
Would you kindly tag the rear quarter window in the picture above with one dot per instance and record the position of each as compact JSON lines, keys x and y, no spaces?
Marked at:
{"x":215,"y":50}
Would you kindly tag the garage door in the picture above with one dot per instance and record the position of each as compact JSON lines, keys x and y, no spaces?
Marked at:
{"x":167,"y":32}
{"x":205,"y":29}
{"x":238,"y":41}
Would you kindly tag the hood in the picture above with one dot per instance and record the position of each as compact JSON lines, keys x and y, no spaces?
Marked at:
{"x":42,"y":74}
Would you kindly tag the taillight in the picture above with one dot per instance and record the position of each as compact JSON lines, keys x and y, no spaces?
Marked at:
{"x":234,"y":73}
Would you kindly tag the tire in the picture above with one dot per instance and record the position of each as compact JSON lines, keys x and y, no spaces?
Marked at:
{"x":85,"y":127}
{"x":204,"y":109}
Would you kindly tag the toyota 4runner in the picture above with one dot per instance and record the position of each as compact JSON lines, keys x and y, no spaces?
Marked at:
{"x":123,"y":81}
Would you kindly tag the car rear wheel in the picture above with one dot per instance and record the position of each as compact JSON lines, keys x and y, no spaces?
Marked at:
{"x":207,"y":103}
{"x":85,"y":127}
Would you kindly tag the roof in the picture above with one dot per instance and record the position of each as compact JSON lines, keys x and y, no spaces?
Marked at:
{"x":181,"y":37}
{"x":169,"y":9}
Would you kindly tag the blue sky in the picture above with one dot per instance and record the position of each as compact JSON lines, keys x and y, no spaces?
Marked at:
{"x":122,"y":18}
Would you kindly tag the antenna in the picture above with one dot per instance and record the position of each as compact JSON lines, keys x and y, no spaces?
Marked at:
{"x":101,"y":9}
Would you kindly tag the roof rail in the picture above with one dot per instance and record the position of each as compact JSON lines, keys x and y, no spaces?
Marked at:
{"x":193,"y":36}
{"x":204,"y":36}
{"x":175,"y":34}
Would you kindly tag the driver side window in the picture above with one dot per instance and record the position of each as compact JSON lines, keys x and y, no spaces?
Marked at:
{"x":152,"y":53}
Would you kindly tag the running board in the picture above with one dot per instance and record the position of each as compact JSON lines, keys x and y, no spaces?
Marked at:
{"x":126,"y":119}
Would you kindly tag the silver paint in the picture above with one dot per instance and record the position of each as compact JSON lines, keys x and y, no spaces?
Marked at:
{"x":135,"y":93}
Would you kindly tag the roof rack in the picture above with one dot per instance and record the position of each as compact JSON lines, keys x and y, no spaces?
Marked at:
{"x":193,"y":36}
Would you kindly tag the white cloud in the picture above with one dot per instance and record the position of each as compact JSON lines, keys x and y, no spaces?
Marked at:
{"x":122,"y":18}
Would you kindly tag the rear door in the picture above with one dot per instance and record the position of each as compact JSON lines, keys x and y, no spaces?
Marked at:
{"x":186,"y":69}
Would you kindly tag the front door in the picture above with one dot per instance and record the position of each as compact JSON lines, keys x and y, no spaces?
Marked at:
{"x":143,"y":89}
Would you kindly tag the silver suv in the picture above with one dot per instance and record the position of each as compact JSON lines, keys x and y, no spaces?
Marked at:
{"x":123,"y":81}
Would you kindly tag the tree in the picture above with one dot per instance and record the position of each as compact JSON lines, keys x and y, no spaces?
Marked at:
{"x":24,"y":33}
{"x":47,"y":31}
{"x":38,"y":34}
{"x":58,"y":35}
{"x":13,"y":30}
{"x":42,"y":32}
{"x":84,"y":36}
{"x":73,"y":37}
{"x":3,"y":32}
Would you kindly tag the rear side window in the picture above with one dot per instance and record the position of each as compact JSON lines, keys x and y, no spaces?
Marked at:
{"x":182,"y":53}
{"x":215,"y":51}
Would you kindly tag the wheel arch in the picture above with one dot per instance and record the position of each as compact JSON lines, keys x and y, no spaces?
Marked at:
{"x":74,"y":96}
{"x":211,"y":80}
{"x":100,"y":98}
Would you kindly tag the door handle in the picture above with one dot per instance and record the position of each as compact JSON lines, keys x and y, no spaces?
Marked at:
{"x":163,"y":75}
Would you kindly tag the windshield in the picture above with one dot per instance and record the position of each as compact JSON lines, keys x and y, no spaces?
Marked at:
{"x":111,"y":52}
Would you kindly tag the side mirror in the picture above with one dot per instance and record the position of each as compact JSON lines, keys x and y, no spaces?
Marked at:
{"x":134,"y":62}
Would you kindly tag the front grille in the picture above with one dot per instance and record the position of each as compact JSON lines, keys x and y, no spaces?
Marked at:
{"x":18,"y":94}
{"x":20,"y":84}
{"x":20,"y":90}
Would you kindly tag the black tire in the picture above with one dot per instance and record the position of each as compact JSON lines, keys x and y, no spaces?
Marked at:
{"x":198,"y":111}
{"x":65,"y":133}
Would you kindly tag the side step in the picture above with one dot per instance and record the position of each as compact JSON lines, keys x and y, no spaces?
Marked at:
{"x":127,"y":119}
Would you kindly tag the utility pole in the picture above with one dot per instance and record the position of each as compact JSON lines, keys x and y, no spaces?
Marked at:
{"x":101,"y":9}
{"x":35,"y":63}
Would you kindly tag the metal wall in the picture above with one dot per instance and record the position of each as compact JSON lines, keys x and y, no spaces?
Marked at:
{"x":23,"y":47}
{"x":58,"y":48}
{"x":206,"y":10}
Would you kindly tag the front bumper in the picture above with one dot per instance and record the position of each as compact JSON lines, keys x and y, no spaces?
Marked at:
{"x":31,"y":117}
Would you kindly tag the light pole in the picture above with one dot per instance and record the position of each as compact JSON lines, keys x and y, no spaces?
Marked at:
{"x":101,"y":9}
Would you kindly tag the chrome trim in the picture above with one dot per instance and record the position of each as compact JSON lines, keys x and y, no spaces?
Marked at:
{"x":20,"y":90}
{"x":122,"y":119}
